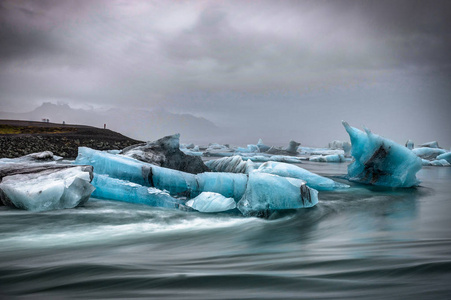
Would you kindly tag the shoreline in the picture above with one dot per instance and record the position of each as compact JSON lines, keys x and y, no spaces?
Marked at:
{"x":19,"y":138}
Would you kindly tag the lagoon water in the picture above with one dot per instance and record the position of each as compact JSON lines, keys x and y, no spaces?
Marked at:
{"x":364,"y":242}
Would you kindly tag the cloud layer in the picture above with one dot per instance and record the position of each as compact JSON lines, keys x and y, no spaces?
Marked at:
{"x":276,"y":68}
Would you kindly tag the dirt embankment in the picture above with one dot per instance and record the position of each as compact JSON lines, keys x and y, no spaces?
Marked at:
{"x":18,"y":138}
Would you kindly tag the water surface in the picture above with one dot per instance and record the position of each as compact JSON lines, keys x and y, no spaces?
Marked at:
{"x":364,"y":242}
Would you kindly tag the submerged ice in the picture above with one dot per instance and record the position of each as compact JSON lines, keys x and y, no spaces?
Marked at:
{"x":211,"y":202}
{"x":380,"y":161}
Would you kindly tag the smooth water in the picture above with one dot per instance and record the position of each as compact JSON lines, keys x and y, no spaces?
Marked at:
{"x":364,"y":242}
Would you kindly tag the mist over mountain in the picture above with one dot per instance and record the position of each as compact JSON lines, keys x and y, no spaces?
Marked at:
{"x":138,"y":124}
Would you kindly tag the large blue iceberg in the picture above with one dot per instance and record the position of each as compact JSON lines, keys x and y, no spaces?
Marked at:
{"x":129,"y":176}
{"x":380,"y":161}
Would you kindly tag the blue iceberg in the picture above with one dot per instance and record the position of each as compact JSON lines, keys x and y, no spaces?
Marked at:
{"x":313,"y":180}
{"x":266,"y":192}
{"x":211,"y":202}
{"x":380,"y":161}
{"x":126,"y":191}
{"x":328,"y":158}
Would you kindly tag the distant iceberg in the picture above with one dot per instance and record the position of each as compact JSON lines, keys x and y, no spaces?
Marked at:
{"x":380,"y":161}
{"x":328,"y":158}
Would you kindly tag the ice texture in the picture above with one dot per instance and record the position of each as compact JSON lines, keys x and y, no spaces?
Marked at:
{"x":276,"y":192}
{"x":328,"y":158}
{"x":380,"y":161}
{"x":446,"y":156}
{"x":428,"y":153}
{"x":211,"y":202}
{"x":432,"y":144}
{"x":234,"y":164}
{"x":126,"y":191}
{"x":261,"y":146}
{"x":42,"y":187}
{"x":410,"y":145}
{"x":266,"y":192}
{"x":313,"y":180}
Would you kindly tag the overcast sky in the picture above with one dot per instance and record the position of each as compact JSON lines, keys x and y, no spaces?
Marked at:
{"x":278,"y":70}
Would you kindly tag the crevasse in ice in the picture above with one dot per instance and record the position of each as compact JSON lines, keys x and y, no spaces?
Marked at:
{"x":380,"y":161}
{"x":211,"y":202}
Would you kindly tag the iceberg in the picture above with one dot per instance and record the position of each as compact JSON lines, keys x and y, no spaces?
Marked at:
{"x":446,"y":156}
{"x":277,"y":192}
{"x":380,"y":161}
{"x":328,"y":158}
{"x":261,"y":146}
{"x":211,"y":202}
{"x":38,"y":157}
{"x":410,"y":145}
{"x":436,"y":162}
{"x":345,"y":146}
{"x":432,"y":144}
{"x":428,"y":153}
{"x":266,"y":192}
{"x":313,"y":180}
{"x":234,"y":164}
{"x":42,"y":187}
{"x":126,"y":191}
{"x":166,"y":152}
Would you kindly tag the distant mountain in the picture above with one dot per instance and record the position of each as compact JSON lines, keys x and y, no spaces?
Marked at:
{"x":138,"y":124}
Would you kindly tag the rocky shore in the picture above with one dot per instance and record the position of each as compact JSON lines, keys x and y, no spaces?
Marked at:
{"x":19,"y":138}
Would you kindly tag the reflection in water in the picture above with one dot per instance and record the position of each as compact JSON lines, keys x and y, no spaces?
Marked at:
{"x":366,"y":241}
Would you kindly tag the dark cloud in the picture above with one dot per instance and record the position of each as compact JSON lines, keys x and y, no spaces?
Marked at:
{"x":297,"y":63}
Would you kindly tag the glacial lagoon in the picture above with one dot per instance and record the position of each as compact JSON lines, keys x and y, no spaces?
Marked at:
{"x":362,"y":242}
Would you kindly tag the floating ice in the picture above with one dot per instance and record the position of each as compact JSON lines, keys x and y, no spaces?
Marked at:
{"x":446,"y":156}
{"x":428,"y":153}
{"x":126,"y":191}
{"x":266,"y":192}
{"x":211,"y":202}
{"x":433,"y":144}
{"x":409,"y":144}
{"x":38,"y":157}
{"x":436,"y":162}
{"x":262,"y":147}
{"x":313,"y":180}
{"x":277,"y":192}
{"x":320,"y":151}
{"x":380,"y":161}
{"x":328,"y":158}
{"x":345,"y":146}
{"x":42,"y":187}
{"x":234,"y":164}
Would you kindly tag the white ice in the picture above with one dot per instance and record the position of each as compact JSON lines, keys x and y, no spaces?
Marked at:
{"x":211,"y":202}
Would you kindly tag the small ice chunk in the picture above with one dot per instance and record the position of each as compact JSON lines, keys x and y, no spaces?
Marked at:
{"x":410,"y":145}
{"x":328,"y":158}
{"x":261,"y":146}
{"x":211,"y":202}
{"x":234,"y":164}
{"x":380,"y":161}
